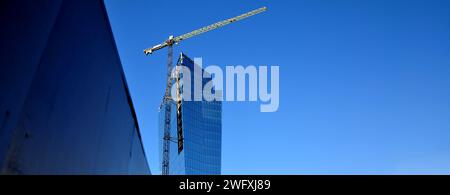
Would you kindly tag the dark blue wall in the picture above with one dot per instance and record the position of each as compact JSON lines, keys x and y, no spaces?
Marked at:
{"x":64,"y":103}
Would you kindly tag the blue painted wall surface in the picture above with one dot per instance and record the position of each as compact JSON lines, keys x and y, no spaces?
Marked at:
{"x":64,"y":102}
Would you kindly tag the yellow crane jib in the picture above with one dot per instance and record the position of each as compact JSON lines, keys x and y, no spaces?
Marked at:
{"x":211,"y":27}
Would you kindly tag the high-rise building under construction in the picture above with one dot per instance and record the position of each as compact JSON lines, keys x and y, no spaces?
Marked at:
{"x":198,"y":129}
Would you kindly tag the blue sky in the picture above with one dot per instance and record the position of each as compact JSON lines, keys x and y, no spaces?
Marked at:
{"x":364,"y":85}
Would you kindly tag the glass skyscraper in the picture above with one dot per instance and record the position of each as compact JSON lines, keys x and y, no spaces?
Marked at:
{"x":200,"y":125}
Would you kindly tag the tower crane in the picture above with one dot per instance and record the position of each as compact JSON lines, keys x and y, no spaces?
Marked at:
{"x":167,"y":100}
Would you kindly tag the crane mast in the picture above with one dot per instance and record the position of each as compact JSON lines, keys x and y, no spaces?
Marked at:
{"x":167,"y":100}
{"x":167,"y":104}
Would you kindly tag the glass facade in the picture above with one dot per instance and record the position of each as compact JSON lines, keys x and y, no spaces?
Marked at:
{"x":202,"y":133}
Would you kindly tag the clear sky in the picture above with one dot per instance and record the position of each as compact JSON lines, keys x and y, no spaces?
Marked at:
{"x":364,"y":85}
